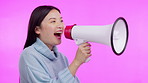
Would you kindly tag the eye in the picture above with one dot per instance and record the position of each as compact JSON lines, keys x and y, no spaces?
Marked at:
{"x":52,"y":21}
{"x":61,"y":20}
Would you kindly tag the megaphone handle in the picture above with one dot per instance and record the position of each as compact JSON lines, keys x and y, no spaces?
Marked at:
{"x":79,"y":42}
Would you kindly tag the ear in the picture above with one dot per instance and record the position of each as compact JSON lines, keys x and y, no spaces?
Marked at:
{"x":37,"y":30}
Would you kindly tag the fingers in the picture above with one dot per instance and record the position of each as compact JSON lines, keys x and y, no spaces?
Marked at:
{"x":87,"y":52}
{"x":85,"y":45}
{"x":86,"y":49}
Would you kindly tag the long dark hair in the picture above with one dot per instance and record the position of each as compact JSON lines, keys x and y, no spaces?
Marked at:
{"x":36,"y":18}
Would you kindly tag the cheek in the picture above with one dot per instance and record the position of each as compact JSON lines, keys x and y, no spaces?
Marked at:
{"x":50,"y":31}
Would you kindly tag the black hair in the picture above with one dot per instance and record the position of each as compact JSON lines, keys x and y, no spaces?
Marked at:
{"x":36,"y":18}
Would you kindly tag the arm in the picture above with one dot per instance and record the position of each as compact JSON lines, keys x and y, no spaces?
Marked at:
{"x":82,"y":54}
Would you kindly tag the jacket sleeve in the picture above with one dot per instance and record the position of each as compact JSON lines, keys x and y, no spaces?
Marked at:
{"x":75,"y":79}
{"x":32,"y":73}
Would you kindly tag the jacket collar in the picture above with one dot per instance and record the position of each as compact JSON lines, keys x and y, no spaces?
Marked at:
{"x":45,"y":51}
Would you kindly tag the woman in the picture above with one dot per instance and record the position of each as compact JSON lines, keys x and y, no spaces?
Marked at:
{"x":40,"y":61}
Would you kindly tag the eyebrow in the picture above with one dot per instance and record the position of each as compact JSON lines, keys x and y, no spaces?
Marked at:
{"x":55,"y":18}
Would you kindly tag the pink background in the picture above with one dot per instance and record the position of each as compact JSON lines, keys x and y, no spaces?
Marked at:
{"x":105,"y":66}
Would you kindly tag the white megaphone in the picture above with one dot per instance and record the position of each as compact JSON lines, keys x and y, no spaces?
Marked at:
{"x":114,"y":35}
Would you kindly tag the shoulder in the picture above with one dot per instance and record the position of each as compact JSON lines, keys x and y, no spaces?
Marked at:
{"x":29,"y":55}
{"x":28,"y":51}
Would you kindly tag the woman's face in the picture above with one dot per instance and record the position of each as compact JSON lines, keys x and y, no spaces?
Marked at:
{"x":51,"y":29}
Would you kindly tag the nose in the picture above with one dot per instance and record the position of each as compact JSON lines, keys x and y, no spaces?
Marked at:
{"x":60,"y":25}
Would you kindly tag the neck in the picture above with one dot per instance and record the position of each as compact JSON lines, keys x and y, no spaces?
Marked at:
{"x":50,"y":47}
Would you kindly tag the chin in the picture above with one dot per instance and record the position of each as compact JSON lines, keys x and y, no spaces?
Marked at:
{"x":59,"y":42}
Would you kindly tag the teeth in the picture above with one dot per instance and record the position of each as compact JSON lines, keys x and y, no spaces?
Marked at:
{"x":58,"y":32}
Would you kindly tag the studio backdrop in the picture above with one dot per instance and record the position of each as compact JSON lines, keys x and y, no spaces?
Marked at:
{"x":106,"y":65}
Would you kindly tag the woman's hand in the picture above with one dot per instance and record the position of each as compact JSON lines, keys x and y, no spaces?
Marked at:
{"x":83,"y":52}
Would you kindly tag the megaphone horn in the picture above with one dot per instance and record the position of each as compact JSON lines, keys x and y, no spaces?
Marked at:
{"x":114,"y":35}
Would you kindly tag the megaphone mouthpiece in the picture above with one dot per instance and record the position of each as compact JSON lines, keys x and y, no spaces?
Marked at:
{"x":67,"y":31}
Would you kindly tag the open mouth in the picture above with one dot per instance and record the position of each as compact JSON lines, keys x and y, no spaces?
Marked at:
{"x":58,"y":34}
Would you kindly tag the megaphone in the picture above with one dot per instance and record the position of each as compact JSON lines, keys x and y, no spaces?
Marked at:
{"x":114,"y":35}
